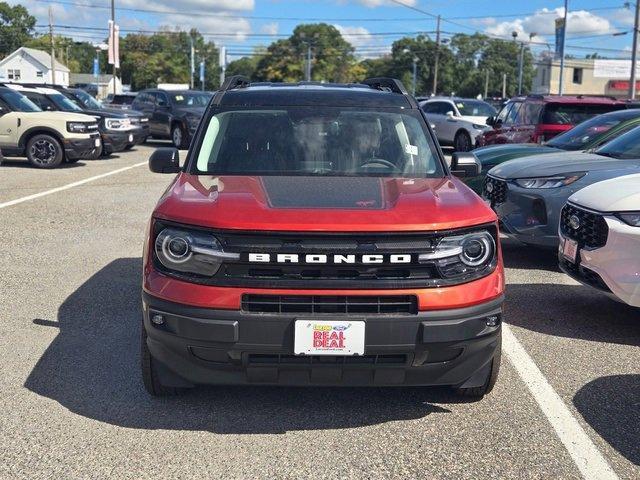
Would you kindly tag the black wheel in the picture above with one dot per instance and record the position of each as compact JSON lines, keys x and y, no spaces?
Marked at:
{"x":492,"y":378}
{"x":462,"y":142}
{"x":179,"y":137}
{"x":44,"y":151}
{"x":149,"y":366}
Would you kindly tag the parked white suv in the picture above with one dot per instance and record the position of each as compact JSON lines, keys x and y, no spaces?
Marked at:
{"x":606,"y":214}
{"x":458,"y":121}
{"x":46,"y":138}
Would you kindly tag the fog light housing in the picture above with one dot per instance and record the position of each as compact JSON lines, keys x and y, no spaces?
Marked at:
{"x":157,"y":319}
{"x":493,"y":321}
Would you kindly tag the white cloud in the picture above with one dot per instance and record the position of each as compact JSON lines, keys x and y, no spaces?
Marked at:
{"x":356,"y":36}
{"x":270,"y":28}
{"x":543,"y":23}
{"x":212,"y":6}
{"x":380,"y":3}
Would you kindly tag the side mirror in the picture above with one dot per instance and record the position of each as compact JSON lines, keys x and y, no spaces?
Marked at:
{"x":491,"y":121}
{"x":165,"y":160}
{"x":465,"y":164}
{"x":450,"y":113}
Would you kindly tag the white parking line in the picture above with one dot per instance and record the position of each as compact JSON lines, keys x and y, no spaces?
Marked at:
{"x":68,"y":186}
{"x":585,"y":454}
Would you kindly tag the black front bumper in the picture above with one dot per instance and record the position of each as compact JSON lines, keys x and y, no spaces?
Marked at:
{"x":83,"y":148}
{"x":115,"y":141}
{"x":140,"y":134}
{"x":205,"y":346}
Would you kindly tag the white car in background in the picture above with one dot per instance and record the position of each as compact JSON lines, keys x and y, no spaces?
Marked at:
{"x":610,"y":212}
{"x":458,"y":121}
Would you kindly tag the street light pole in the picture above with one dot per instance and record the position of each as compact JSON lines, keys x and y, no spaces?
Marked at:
{"x":415,"y":75}
{"x":193,"y":64}
{"x":564,"y":38}
{"x":634,"y":54}
{"x":435,"y":68}
{"x":113,"y":43}
{"x":308,"y":70}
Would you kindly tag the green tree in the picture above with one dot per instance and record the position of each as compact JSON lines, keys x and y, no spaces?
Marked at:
{"x":332,"y":58}
{"x":16,"y":27}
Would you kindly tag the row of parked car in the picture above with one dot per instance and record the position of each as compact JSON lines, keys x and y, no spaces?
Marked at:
{"x":578,"y":192}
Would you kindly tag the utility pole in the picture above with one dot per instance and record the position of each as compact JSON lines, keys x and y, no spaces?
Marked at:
{"x":113,"y":43}
{"x":504,"y":85}
{"x":53,"y":53}
{"x":435,"y":68}
{"x":308,"y":69}
{"x":486,"y":84}
{"x":193,"y":66}
{"x":634,"y":54}
{"x":520,"y":68}
{"x":415,"y":74}
{"x":564,"y":38}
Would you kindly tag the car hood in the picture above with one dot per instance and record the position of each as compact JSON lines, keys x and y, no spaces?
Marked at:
{"x":116,"y":112}
{"x":474,"y":119}
{"x":60,"y":116}
{"x":495,"y":154}
{"x":190,"y":110}
{"x":621,"y":194}
{"x":102,"y":113}
{"x":564,"y":162}
{"x":332,"y":204}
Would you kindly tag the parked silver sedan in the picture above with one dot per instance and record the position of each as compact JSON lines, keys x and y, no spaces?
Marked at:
{"x":458,"y":121}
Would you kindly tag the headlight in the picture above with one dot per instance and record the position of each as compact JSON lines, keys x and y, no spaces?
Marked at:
{"x":144,"y":120}
{"x":549,"y":182}
{"x":632,"y":218}
{"x":478,"y":126}
{"x":469,"y":255}
{"x":81,"y":127}
{"x":117,"y":123}
{"x":190,"y":251}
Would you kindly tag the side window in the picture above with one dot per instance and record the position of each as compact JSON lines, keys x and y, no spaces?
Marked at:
{"x":161,"y":99}
{"x":530,"y":113}
{"x":430,"y":107}
{"x":502,"y":115}
{"x":443,"y":108}
{"x":40,"y":100}
{"x":514,"y":114}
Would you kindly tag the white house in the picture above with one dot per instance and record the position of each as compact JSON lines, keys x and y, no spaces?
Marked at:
{"x":28,"y":65}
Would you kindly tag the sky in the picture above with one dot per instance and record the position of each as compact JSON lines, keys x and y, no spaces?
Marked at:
{"x":594,"y":26}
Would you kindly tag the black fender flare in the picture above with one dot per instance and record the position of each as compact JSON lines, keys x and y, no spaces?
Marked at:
{"x":22,"y":143}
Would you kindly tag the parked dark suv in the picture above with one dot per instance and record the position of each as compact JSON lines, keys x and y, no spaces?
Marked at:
{"x":173,"y":114}
{"x":538,"y":118}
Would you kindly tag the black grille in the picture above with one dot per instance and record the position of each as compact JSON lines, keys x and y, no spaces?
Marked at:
{"x":496,"y":192}
{"x":275,"y":359}
{"x":314,"y":304}
{"x":591,"y":231}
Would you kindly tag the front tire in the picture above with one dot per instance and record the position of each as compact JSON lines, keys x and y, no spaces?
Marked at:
{"x":462,"y":142}
{"x":149,"y":366}
{"x":44,"y":151}
{"x":179,"y":137}
{"x":492,"y":378}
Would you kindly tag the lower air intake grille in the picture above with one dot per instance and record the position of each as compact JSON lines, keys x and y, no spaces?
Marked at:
{"x":383,"y":304}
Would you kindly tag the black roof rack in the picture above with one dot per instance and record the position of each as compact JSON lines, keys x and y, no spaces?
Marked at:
{"x":385,"y":83}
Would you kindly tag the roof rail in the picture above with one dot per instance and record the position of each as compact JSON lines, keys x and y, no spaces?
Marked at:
{"x":390,"y":84}
{"x":230,"y":83}
{"x":382,"y":83}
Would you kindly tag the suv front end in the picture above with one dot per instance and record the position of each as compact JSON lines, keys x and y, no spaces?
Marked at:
{"x":378,"y":278}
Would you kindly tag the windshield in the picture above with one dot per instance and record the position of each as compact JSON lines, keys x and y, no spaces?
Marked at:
{"x":184,"y":99}
{"x":327,"y":141}
{"x":121,"y":99}
{"x":586,"y":133}
{"x":625,"y":146}
{"x":63,"y":103}
{"x":475,"y":108}
{"x":573,"y":114}
{"x":86,"y":100}
{"x":19,"y":102}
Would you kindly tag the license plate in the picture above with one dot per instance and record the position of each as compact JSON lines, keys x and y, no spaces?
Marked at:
{"x":329,"y":337}
{"x":570,"y":250}
{"x":130,"y":138}
{"x":96,"y":142}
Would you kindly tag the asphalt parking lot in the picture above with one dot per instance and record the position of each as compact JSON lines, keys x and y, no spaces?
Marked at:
{"x":72,"y":405}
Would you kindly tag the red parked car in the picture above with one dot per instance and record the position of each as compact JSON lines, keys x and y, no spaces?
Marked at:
{"x":316,"y":236}
{"x":538,"y":118}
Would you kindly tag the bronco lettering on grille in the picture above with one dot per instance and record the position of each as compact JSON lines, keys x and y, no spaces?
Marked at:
{"x":329,"y":259}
